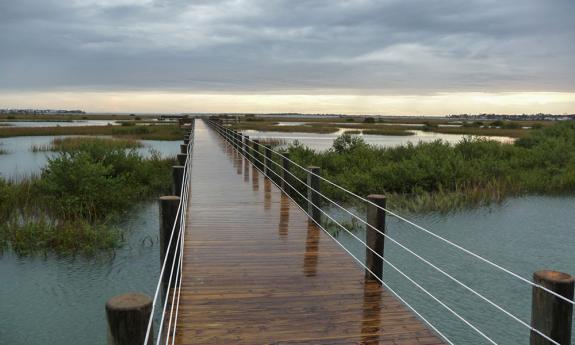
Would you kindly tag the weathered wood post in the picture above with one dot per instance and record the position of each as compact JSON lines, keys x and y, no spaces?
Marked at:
{"x":551,"y":315}
{"x":268,"y":161}
{"x":284,"y":183}
{"x":128,"y":316}
{"x":182,"y":158}
{"x":178,"y":177}
{"x":237,"y":138}
{"x":246,"y":144}
{"x":168,"y":212}
{"x":183,"y":148}
{"x":313,"y":193}
{"x":374,"y":239}
{"x":256,"y":152}
{"x":186,"y":141}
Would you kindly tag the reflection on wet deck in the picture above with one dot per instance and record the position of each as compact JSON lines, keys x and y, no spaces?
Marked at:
{"x":257,"y":272}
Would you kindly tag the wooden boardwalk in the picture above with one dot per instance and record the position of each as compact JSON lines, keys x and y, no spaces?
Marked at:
{"x":257,"y":272}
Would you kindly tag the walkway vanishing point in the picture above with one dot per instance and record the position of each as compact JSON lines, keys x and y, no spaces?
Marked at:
{"x":242,"y":263}
{"x":256,"y":271}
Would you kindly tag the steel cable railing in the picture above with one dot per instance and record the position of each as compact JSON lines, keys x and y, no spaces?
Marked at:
{"x":419,"y":257}
{"x":451,"y":243}
{"x":419,"y":227}
{"x":234,"y":139}
{"x":177,"y":235}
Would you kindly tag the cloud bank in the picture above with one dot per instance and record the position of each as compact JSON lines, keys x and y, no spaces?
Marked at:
{"x":356,"y":47}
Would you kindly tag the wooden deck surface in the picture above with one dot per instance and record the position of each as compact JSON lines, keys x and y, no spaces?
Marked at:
{"x":257,"y":272}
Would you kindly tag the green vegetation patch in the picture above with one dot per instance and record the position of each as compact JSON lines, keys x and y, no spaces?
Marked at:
{"x":439,"y":176}
{"x":267,"y":126}
{"x":71,"y":144}
{"x":145,"y":132}
{"x":82,"y":192}
{"x":387,"y":131}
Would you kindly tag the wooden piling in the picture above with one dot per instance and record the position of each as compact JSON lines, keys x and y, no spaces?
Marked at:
{"x":182,"y":158}
{"x":183,"y":148}
{"x":256,"y":152}
{"x":313,"y":193}
{"x":168,"y":211}
{"x":374,"y":239}
{"x":284,"y":183}
{"x":177,"y":177}
{"x":246,"y":144}
{"x":268,"y":161}
{"x":551,"y":315}
{"x":186,"y":141}
{"x":128,"y":316}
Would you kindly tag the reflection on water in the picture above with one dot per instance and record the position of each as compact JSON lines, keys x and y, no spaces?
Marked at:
{"x":325,"y":141}
{"x":311,"y":250}
{"x":246,"y":170}
{"x":523,"y":234}
{"x":239,"y":161}
{"x":283,"y":226}
{"x":371,"y":318}
{"x":267,"y":193}
{"x":255,"y":179}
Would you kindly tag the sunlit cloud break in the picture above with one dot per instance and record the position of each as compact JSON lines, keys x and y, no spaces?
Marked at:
{"x":436,"y":104}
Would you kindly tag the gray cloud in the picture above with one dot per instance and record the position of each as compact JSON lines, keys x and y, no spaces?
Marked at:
{"x":356,"y":46}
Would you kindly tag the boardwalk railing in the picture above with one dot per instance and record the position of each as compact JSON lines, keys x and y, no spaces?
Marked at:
{"x":168,"y":289}
{"x":552,"y":302}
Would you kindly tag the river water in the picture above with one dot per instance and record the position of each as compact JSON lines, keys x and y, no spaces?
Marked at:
{"x":522,"y":234}
{"x":60,"y":300}
{"x":74,"y":123}
{"x":325,"y":141}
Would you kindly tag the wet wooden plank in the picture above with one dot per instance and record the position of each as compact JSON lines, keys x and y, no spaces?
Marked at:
{"x":257,"y":272}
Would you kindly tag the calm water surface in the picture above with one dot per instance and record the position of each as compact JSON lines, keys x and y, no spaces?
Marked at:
{"x":55,"y":301}
{"x":58,"y":300}
{"x":20,"y":161}
{"x":74,"y":123}
{"x":324,"y":141}
{"x":523,"y":234}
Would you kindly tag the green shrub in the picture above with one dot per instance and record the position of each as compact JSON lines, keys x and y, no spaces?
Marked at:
{"x":441,"y":176}
{"x":511,"y":125}
{"x":87,"y":184}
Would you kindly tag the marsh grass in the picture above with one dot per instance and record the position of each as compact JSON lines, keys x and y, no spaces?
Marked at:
{"x":85,"y":188}
{"x":387,"y":131}
{"x":69,"y":144}
{"x":30,"y":236}
{"x":268,"y":126}
{"x":147,"y":132}
{"x":274,"y":142}
{"x":386,"y":127}
{"x":439,"y":176}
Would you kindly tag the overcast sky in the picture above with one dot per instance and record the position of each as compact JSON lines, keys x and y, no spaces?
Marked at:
{"x":271,"y":55}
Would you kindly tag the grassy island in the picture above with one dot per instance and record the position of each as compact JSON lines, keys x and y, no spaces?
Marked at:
{"x":438,"y":176}
{"x":127,"y":130}
{"x":74,"y":204}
